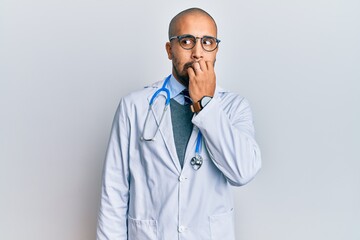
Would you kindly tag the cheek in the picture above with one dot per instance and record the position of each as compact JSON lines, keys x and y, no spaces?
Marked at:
{"x":181,"y":56}
{"x":177,"y":60}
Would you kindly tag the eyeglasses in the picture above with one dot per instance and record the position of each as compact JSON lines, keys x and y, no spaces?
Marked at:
{"x":188,"y":42}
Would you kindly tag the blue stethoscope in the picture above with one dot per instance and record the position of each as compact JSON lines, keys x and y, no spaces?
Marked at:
{"x":197,"y":160}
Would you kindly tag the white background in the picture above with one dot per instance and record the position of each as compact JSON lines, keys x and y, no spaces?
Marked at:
{"x":64,"y":65}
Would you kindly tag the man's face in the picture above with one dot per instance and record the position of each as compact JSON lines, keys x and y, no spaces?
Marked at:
{"x":198,"y":26}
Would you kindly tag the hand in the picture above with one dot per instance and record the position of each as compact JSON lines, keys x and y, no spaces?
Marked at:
{"x":202,"y":80}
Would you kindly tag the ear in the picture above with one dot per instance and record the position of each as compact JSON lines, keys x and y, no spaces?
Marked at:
{"x":168,"y":50}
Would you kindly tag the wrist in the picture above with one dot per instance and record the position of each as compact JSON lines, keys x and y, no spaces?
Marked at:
{"x":199,"y":105}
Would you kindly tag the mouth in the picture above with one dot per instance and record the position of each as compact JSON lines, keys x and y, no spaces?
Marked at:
{"x":187,"y":65}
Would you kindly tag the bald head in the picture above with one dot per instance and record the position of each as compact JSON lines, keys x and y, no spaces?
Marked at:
{"x":188,"y":12}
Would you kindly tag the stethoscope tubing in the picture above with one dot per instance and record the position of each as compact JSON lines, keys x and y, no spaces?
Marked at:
{"x":196,"y":161}
{"x":152,"y":100}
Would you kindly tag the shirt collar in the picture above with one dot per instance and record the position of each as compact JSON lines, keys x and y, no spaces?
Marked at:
{"x":175,"y":87}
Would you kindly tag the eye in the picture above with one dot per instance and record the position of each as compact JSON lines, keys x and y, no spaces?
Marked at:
{"x":208,"y":41}
{"x":186,"y":41}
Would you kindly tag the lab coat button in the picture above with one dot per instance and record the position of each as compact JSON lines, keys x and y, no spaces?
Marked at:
{"x":181,"y":229}
{"x":181,"y":178}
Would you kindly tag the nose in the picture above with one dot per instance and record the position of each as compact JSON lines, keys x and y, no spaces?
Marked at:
{"x":197,"y":51}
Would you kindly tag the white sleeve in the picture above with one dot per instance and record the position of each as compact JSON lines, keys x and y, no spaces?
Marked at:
{"x":112,"y":218}
{"x":227,"y":127}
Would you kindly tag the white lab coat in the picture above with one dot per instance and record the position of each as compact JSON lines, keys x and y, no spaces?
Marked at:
{"x":146,"y":195}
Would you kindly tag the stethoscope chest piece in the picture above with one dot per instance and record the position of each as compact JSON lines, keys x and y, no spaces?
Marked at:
{"x":196,"y":162}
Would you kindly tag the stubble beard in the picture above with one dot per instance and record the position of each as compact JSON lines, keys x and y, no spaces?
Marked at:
{"x":183,"y":76}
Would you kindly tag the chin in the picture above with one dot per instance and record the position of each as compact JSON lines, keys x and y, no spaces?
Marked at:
{"x":183,"y":78}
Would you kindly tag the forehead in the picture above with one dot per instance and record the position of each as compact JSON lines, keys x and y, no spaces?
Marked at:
{"x":196,"y":24}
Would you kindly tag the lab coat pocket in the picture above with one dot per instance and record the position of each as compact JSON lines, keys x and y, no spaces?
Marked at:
{"x":222,"y":226}
{"x":142,"y":229}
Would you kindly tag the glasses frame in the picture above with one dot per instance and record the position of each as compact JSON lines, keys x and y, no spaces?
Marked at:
{"x":196,"y":38}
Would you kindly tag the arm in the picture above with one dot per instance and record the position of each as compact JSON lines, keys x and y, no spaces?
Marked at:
{"x":112,"y":219}
{"x":227,"y":126}
{"x":229,"y":137}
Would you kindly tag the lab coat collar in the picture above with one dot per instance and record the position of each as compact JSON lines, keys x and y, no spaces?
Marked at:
{"x":165,"y":130}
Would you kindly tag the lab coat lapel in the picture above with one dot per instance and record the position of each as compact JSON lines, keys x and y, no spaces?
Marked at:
{"x":165,"y":131}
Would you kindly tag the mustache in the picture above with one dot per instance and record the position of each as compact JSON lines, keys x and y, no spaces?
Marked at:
{"x":190,"y":64}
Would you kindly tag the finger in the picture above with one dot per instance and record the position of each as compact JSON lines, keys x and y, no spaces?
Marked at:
{"x":191,"y":73}
{"x":196,"y":67}
{"x":203,"y":66}
{"x":210,"y":65}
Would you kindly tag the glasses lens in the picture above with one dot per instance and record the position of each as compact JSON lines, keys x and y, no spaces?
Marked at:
{"x":187,"y":42}
{"x":209,"y":43}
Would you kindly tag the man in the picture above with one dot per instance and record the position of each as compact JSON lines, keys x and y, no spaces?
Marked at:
{"x":168,"y":174}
